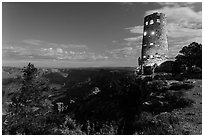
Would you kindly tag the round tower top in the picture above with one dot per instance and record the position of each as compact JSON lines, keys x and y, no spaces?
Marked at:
{"x":154,"y":15}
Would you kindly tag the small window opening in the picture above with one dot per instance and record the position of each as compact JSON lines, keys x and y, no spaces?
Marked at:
{"x":151,"y":22}
{"x":158,"y":20}
{"x":151,"y":44}
{"x":152,"y":32}
{"x":145,"y":33}
{"x":146,"y":23}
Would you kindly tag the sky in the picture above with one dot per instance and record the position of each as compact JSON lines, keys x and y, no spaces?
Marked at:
{"x":87,"y":34}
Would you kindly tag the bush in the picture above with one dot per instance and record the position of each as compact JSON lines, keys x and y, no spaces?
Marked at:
{"x":157,"y":86}
{"x":69,"y":127}
{"x":100,"y":128}
{"x":181,"y":85}
{"x":161,"y":124}
{"x":190,"y":57}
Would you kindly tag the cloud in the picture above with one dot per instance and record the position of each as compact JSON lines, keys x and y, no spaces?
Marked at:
{"x":11,"y":52}
{"x":33,"y":42}
{"x":176,"y":3}
{"x":179,"y":15}
{"x":176,"y":31}
{"x":136,"y":29}
{"x":98,"y":57}
{"x":180,"y":21}
{"x":59,"y":50}
{"x":123,"y":53}
{"x":15,"y":50}
{"x":61,"y":54}
{"x":37,"y":49}
{"x":76,"y":46}
{"x":184,"y":25}
{"x":41,"y":43}
{"x":134,"y":41}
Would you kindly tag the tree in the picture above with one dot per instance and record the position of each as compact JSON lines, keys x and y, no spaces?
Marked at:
{"x":190,"y":57}
{"x":30,"y":108}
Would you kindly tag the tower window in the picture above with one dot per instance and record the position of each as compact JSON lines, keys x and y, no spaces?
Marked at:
{"x":152,"y":32}
{"x":145,"y":33}
{"x":144,"y":45}
{"x":158,"y":20}
{"x":151,"y":44}
{"x":151,"y":22}
{"x":144,"y":57}
{"x":146,"y":23}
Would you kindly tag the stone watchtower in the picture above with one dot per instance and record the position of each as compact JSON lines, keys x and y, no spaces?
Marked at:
{"x":154,"y":44}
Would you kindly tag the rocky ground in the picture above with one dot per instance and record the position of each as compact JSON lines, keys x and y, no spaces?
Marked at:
{"x":191,"y":117}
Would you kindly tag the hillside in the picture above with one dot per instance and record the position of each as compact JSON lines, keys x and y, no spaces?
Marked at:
{"x":124,"y":102}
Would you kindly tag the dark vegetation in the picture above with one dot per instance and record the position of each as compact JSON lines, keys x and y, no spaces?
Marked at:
{"x":98,"y":101}
{"x":189,"y":61}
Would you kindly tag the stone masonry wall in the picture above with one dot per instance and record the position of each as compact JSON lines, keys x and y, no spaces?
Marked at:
{"x":154,"y":45}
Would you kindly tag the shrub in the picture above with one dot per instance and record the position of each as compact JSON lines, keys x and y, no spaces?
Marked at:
{"x":157,"y":85}
{"x":180,"y":85}
{"x":161,"y":124}
{"x":190,"y":57}
{"x":101,"y":128}
{"x":69,"y":127}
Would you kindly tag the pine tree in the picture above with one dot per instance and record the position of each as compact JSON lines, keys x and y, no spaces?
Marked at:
{"x":30,"y":108}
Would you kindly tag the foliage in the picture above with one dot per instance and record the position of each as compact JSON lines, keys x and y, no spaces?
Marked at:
{"x":8,"y":81}
{"x":189,"y":59}
{"x":108,"y":103}
{"x":69,"y":127}
{"x":117,"y":91}
{"x":120,"y":99}
{"x":30,"y":107}
{"x":165,"y":96}
{"x":100,"y":128}
{"x":161,"y":124}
